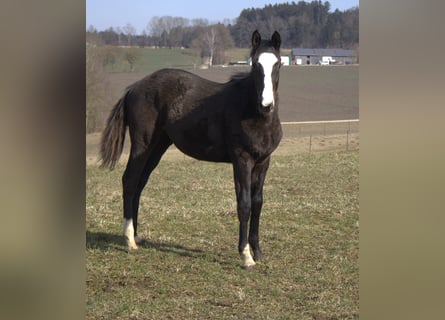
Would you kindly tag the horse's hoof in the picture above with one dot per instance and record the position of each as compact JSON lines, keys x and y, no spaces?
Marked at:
{"x":258,"y":255}
{"x":131,"y":245}
{"x":249,"y":267}
{"x":138,"y":240}
{"x":247,"y":257}
{"x":132,"y":248}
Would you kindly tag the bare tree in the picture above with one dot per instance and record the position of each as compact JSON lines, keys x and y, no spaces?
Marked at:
{"x":160,"y":28}
{"x":209,"y":41}
{"x":213,"y":41}
{"x":130,"y":31}
{"x":200,"y":22}
{"x":154,"y":27}
{"x":119,"y":36}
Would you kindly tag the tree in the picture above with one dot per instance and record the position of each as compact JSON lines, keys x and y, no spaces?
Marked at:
{"x":132,"y":55}
{"x":175,"y":37}
{"x":92,"y":37}
{"x":109,"y":37}
{"x":212,"y":41}
{"x":119,"y":36}
{"x":209,"y":42}
{"x":161,"y":28}
{"x":305,"y":24}
{"x":109,"y":56}
{"x":130,"y":31}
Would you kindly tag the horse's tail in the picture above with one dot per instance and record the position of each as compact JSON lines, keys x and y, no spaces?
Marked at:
{"x":113,"y":136}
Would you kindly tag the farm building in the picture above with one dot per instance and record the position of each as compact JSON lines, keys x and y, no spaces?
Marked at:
{"x":303,"y":56}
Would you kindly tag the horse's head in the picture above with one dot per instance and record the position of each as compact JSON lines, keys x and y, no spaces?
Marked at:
{"x":266,"y":63}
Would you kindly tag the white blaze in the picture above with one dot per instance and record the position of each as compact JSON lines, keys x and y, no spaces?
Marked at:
{"x":267,"y":61}
{"x":247,"y":257}
{"x":129,"y":234}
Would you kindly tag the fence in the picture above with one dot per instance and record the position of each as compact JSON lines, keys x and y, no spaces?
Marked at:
{"x":298,"y":137}
{"x":322,"y":135}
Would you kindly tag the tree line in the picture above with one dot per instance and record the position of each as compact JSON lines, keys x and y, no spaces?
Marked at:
{"x":301,"y":24}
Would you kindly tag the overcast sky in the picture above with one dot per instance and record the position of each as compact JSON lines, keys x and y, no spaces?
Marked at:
{"x":103,"y":14}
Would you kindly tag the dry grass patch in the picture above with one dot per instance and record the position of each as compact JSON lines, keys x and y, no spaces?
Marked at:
{"x":188,"y":266}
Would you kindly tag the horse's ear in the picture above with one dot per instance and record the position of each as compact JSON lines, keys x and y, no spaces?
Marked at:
{"x":256,"y":39}
{"x":276,"y":40}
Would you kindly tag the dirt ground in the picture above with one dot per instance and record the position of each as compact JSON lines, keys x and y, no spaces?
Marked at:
{"x":307,"y":93}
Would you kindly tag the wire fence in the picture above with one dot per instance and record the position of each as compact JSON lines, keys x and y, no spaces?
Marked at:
{"x":298,"y":137}
{"x":311,"y":136}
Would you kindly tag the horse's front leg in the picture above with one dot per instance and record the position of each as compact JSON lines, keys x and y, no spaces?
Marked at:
{"x":242,"y":168}
{"x":258,"y":177}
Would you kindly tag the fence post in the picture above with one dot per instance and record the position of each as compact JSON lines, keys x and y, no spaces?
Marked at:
{"x":310,"y":143}
{"x":347,"y":140}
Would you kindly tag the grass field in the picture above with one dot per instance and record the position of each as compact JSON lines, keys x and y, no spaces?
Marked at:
{"x":188,"y":266}
{"x":154,"y":59}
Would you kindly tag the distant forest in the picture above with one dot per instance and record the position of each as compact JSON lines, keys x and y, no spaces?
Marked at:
{"x":301,"y":24}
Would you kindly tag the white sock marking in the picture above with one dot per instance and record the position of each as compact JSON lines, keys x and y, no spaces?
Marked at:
{"x":247,"y":257}
{"x":267,"y":60}
{"x":129,"y":234}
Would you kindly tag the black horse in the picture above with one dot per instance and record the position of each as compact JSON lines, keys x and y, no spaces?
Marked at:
{"x":236,"y":122}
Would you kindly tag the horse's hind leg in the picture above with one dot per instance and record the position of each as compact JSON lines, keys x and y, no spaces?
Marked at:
{"x":156,"y":152}
{"x":130,"y":181}
{"x":141,"y":163}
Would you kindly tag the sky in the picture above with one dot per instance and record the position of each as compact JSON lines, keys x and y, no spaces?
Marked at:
{"x":103,"y":14}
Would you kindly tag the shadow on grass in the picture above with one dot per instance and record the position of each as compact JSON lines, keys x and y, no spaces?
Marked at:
{"x":106,"y":241}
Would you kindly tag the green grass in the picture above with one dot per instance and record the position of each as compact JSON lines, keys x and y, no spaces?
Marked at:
{"x":188,"y":266}
{"x":151,"y":59}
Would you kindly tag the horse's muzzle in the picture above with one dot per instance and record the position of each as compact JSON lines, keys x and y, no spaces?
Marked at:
{"x":267,"y":108}
{"x":266,"y":102}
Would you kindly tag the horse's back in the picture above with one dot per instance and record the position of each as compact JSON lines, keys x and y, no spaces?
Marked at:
{"x":174,"y":91}
{"x":204,"y":119}
{"x":186,"y":107}
{"x":194,"y":114}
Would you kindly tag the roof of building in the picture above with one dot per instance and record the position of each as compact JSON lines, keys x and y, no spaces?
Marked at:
{"x":323,"y":52}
